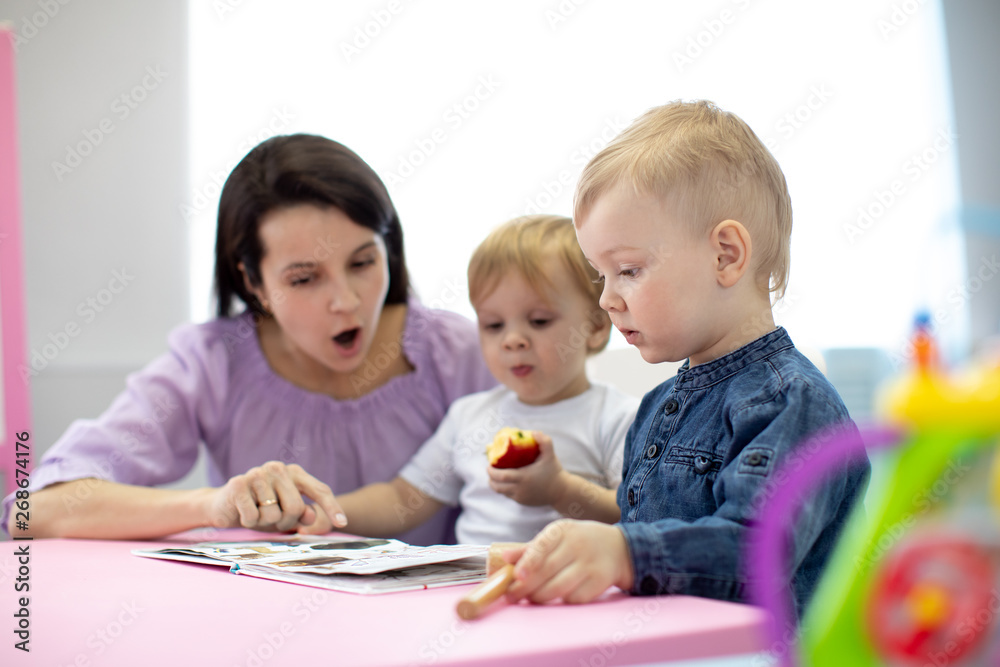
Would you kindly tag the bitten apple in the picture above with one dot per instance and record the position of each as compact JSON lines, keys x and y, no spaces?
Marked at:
{"x":512,"y":448}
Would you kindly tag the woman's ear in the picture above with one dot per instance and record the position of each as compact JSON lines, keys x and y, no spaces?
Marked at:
{"x":733,"y":251}
{"x":257,"y":292}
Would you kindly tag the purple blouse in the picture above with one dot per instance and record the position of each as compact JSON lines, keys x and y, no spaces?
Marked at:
{"x":215,"y":386}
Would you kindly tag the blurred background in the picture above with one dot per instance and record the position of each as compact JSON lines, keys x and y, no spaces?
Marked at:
{"x":881,"y":113}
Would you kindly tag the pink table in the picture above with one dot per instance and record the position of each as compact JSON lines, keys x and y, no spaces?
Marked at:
{"x":94,"y":603}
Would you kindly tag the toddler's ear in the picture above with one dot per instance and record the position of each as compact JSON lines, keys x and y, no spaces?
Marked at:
{"x":731,"y":244}
{"x":602,"y":331}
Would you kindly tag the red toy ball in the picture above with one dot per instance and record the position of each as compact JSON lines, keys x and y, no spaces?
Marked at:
{"x":931,"y":601}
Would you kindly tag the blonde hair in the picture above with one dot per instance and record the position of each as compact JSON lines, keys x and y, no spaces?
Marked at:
{"x":712,"y":167}
{"x":528,"y":244}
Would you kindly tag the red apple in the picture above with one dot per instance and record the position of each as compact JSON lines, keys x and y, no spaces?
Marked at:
{"x":512,"y":448}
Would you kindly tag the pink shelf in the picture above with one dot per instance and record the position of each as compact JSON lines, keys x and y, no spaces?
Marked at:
{"x":13,"y":363}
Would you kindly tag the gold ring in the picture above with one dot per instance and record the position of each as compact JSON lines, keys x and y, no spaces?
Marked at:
{"x":267,"y":503}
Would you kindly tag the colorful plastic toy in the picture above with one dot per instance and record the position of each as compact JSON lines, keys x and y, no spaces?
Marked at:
{"x":915,"y":580}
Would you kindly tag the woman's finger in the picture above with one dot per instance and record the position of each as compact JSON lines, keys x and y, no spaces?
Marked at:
{"x":265,"y":498}
{"x":290,"y":502}
{"x":314,"y":521}
{"x":319,"y":493}
{"x":243,"y":500}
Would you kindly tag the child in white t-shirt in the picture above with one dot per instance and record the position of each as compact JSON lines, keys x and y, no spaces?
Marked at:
{"x":539,"y":319}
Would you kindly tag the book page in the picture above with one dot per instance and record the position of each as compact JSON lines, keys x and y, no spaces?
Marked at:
{"x":321,"y":555}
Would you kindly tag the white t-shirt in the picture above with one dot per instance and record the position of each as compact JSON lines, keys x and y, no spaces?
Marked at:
{"x":587,"y":431}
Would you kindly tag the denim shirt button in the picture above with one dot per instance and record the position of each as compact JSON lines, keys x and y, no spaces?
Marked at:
{"x":754,"y":459}
{"x":702,"y":464}
{"x":649,"y":585}
{"x":631,"y":497}
{"x":651,"y":452}
{"x":670,"y":407}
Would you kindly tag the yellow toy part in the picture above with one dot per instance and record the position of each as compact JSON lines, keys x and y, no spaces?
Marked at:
{"x":927,"y":399}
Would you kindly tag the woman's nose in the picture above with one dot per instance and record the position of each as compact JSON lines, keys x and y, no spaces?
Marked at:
{"x":343,"y":298}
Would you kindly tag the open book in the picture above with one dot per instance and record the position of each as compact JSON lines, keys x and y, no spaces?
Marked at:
{"x":354,"y":565}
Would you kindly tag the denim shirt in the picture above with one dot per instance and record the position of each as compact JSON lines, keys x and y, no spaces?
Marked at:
{"x":703,"y":445}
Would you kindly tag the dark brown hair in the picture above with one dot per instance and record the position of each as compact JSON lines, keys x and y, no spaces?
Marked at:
{"x":286,"y":171}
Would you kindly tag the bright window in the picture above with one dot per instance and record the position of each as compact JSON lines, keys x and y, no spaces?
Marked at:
{"x":476,"y":112}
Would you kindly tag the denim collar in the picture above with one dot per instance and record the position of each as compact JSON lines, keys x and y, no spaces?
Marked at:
{"x":707,"y":374}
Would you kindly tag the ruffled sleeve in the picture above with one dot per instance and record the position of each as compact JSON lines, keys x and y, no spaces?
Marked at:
{"x":150,"y":433}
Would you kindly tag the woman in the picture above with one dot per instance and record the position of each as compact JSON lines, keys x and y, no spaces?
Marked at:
{"x":330,"y":379}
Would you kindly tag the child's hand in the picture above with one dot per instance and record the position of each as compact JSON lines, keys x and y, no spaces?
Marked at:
{"x":541,"y":482}
{"x":572,"y":560}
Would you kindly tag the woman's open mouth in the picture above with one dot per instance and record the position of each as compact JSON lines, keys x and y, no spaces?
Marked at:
{"x":348,"y":341}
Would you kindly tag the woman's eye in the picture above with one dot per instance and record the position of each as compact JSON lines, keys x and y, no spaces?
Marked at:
{"x":299,"y":280}
{"x":628,"y":273}
{"x":362,"y":263}
{"x":598,"y":280}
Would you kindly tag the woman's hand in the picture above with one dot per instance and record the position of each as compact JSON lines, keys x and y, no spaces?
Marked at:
{"x":541,"y":482}
{"x":269,"y":497}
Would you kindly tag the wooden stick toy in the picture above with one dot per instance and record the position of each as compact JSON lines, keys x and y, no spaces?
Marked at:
{"x":501,"y":575}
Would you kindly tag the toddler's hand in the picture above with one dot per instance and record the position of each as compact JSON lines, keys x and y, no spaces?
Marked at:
{"x":572,"y":560}
{"x":538,"y":483}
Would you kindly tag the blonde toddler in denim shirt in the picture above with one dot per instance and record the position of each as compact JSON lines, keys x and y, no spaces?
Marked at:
{"x":687,"y":218}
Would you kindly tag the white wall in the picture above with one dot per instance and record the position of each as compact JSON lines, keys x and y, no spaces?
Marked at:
{"x":112,"y":208}
{"x":974,"y":55}
{"x":846,"y":97}
{"x":120,"y":208}
{"x":848,"y":100}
